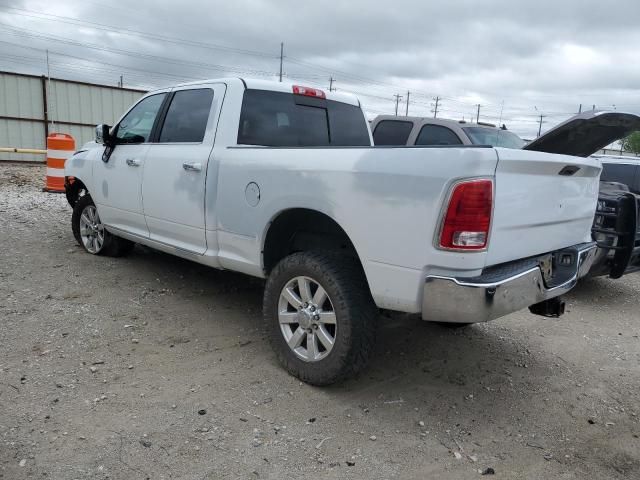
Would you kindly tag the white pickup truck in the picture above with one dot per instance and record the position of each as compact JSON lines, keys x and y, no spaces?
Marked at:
{"x":282,"y":182}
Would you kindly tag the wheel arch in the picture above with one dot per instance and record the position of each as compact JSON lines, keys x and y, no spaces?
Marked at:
{"x":302,"y":229}
{"x":74,"y":188}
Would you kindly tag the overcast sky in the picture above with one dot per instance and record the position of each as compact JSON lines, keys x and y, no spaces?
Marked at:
{"x":517,"y":59}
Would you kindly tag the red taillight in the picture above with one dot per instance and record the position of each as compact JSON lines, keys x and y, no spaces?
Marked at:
{"x":308,"y":92}
{"x":468,"y":218}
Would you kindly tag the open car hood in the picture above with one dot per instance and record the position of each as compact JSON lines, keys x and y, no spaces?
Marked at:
{"x":586,"y":133}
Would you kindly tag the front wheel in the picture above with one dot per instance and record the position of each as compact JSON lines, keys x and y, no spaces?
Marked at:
{"x":320,"y":316}
{"x":90,"y":233}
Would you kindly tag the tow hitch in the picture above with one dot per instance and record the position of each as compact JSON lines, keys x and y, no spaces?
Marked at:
{"x":552,"y":308}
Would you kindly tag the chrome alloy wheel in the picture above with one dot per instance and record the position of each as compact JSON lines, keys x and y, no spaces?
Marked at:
{"x":307,"y":319}
{"x":91,"y":229}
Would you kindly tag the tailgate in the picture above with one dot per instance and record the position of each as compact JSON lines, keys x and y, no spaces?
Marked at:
{"x":543,"y":202}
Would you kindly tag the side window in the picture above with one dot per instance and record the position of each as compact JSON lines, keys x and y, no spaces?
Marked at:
{"x":620,"y":172}
{"x":186,"y":119}
{"x":437,"y":135}
{"x":392,"y":132}
{"x":136,"y":126}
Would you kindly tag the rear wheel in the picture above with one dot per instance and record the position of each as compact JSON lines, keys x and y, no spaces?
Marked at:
{"x":320,"y":316}
{"x":453,"y":326}
{"x":91,"y":234}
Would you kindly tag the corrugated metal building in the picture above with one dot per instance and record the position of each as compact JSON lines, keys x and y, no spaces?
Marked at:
{"x":32,"y":106}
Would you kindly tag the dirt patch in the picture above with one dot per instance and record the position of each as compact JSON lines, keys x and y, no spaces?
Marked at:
{"x":21,"y":176}
{"x":154,"y":367}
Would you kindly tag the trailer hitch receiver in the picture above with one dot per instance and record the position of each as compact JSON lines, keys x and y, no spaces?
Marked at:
{"x":552,"y":308}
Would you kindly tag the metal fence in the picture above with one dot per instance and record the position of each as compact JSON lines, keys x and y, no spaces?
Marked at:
{"x":32,"y":106}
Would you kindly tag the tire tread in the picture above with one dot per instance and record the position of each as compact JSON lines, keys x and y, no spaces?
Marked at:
{"x":345,"y":273}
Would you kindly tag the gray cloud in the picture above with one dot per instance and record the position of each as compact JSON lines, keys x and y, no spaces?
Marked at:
{"x":517,"y":59}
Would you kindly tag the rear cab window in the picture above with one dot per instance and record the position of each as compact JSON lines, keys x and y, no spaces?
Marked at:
{"x":281,"y":119}
{"x":392,"y":132}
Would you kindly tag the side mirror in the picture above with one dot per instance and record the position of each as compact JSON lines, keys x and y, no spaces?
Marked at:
{"x":102,"y":134}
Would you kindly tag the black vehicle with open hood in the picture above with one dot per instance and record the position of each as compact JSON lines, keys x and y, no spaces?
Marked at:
{"x":616,"y":226}
{"x":586,"y":133}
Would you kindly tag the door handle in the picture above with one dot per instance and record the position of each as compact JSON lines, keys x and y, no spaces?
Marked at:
{"x":133,"y":162}
{"x":192,"y":166}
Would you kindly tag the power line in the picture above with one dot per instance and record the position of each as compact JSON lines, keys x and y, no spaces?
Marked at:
{"x":177,"y":40}
{"x":128,"y":31}
{"x":119,"y":29}
{"x":225,"y":68}
{"x":68,"y":41}
{"x":120,"y":66}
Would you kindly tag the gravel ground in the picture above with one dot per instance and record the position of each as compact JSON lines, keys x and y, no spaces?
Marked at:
{"x":154,"y":367}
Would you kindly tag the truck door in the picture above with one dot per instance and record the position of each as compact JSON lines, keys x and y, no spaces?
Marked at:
{"x":118,"y":194}
{"x":174,"y":178}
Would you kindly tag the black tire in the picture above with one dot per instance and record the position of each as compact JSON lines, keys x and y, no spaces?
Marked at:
{"x":356,"y":315}
{"x":113,"y":246}
{"x":453,"y":326}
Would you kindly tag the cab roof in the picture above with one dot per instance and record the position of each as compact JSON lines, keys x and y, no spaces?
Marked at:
{"x":437,"y":121}
{"x":275,"y":86}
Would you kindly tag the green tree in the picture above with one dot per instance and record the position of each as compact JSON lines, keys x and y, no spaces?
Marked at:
{"x":632,"y":143}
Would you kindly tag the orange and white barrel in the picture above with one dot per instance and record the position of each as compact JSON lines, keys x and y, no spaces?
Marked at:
{"x":60,"y":146}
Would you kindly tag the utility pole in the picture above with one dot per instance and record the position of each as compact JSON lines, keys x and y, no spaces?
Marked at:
{"x":540,"y":127}
{"x":281,"y":58}
{"x":478,"y":114}
{"x":49,"y":110}
{"x":331,"y":80}
{"x":407,"y":111}
{"x":398,"y":97}
{"x":435,"y":110}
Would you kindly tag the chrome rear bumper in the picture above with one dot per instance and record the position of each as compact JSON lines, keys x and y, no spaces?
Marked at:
{"x":508,"y":289}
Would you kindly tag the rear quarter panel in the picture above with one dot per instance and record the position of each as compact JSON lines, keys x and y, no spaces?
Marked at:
{"x":388,"y":201}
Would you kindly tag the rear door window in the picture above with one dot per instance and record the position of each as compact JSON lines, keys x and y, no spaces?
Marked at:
{"x":392,"y":132}
{"x":280,"y":119}
{"x":437,"y":135}
{"x":186,"y":119}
